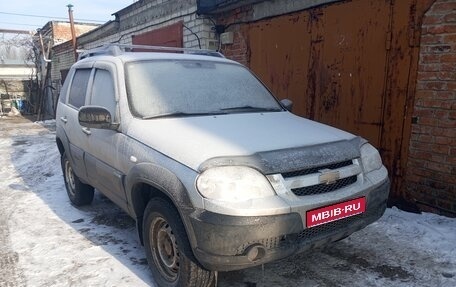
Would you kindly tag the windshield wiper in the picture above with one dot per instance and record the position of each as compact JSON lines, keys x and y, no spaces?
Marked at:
{"x":241,"y":109}
{"x":181,"y":114}
{"x":246,"y":109}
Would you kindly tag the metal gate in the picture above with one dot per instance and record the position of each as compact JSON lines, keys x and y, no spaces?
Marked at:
{"x":350,"y":64}
{"x":331,"y":63}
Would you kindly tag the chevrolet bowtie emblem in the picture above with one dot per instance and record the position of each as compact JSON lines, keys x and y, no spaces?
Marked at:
{"x":328,"y":176}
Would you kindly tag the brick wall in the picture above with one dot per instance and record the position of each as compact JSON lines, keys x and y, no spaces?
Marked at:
{"x":136,"y":19}
{"x":62,"y":58}
{"x":431,"y":168}
{"x":233,"y":20}
{"x":146,"y":16}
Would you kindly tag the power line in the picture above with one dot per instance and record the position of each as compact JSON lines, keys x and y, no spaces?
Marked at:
{"x":49,"y":17}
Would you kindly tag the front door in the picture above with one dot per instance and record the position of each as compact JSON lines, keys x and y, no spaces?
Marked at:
{"x":102,"y":155}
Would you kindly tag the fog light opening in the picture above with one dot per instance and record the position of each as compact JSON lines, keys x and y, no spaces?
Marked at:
{"x":255,"y":252}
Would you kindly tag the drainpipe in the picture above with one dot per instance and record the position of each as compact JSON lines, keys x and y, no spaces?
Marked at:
{"x":73,"y":32}
{"x":42,"y":48}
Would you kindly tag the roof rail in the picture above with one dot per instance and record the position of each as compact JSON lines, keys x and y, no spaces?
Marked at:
{"x":118,"y":49}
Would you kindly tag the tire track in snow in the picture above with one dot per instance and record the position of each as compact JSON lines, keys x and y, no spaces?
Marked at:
{"x":10,"y":274}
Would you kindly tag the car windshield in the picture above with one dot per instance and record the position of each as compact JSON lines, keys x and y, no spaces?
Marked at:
{"x":163,"y":88}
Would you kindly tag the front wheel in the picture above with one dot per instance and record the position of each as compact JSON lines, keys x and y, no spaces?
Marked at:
{"x":167,"y":248}
{"x":78,"y":192}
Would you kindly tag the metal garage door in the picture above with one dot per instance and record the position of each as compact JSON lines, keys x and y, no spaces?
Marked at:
{"x":331,"y":62}
{"x":169,"y":36}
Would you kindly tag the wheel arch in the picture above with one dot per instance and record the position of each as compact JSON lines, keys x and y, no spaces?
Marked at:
{"x":60,"y":146}
{"x":62,"y":141}
{"x":146,"y":181}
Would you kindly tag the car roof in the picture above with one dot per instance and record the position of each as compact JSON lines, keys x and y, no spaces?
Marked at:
{"x":126,"y":53}
{"x":141,"y":56}
{"x":148,"y":56}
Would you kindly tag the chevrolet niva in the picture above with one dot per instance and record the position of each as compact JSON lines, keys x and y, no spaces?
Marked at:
{"x":218,"y":174}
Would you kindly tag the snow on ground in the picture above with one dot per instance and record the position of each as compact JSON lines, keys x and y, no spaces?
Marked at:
{"x":45,"y":241}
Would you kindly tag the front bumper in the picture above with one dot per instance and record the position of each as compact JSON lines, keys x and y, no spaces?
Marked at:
{"x":226,"y":243}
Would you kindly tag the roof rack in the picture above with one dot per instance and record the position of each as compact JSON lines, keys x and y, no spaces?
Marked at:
{"x":118,"y":49}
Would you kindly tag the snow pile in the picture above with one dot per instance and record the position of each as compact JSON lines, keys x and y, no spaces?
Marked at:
{"x":14,"y":112}
{"x":58,"y":244}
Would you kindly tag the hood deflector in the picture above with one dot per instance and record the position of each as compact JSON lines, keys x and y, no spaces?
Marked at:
{"x":291,"y":159}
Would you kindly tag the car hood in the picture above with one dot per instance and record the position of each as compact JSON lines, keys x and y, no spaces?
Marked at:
{"x":193,"y":140}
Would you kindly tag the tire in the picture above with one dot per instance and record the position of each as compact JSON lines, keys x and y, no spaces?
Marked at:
{"x":79,"y":193}
{"x":168,"y":250}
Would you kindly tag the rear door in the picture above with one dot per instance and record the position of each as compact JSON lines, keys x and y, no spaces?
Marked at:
{"x":68,"y":115}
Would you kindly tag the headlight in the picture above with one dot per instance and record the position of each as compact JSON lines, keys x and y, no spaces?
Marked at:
{"x":370,"y":158}
{"x":233,"y":184}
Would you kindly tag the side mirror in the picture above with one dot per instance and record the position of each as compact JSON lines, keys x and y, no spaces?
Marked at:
{"x":287,"y":104}
{"x":96,"y":117}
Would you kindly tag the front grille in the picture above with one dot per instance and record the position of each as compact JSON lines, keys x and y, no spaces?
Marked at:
{"x":329,"y":228}
{"x":324,"y":188}
{"x":316,"y":169}
{"x":309,"y":235}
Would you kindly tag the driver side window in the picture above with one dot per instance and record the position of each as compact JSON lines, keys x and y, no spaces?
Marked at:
{"x":103,"y":91}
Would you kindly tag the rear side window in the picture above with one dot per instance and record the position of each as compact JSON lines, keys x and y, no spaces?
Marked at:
{"x":79,"y":88}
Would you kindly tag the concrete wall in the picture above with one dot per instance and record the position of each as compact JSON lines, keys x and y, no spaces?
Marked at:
{"x":267,"y":9}
{"x":15,"y":79}
{"x":431,"y":170}
{"x":13,"y":72}
{"x":16,"y":88}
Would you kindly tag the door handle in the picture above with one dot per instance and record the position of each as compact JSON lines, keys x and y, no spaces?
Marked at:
{"x":64,"y":119}
{"x":86,"y":131}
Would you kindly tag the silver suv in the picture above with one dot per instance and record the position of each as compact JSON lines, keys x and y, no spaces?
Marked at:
{"x":218,"y":174}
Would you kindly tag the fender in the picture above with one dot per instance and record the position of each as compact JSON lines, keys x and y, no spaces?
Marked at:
{"x":166,"y":183}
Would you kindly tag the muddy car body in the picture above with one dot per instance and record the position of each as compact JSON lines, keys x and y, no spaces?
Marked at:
{"x":217,"y":173}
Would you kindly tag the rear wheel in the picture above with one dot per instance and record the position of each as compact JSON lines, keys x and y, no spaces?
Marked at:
{"x":78,"y":192}
{"x":168,"y":250}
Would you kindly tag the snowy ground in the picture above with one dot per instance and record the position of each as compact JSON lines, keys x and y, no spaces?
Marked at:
{"x":44,"y":241}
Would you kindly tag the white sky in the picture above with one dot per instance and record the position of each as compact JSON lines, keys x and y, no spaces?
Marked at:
{"x":98,"y":10}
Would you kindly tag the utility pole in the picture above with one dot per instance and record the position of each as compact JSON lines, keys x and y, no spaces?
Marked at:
{"x":73,"y":32}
